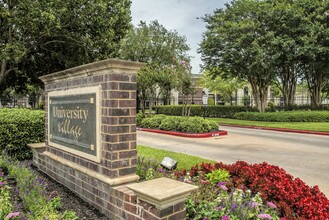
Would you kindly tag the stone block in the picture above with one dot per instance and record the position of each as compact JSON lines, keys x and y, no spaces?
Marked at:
{"x":162,"y":198}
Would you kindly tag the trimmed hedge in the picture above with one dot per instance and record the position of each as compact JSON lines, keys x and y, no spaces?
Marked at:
{"x":19,"y":127}
{"x":223,"y":111}
{"x":184,"y":124}
{"x":217,"y":111}
{"x":293,"y":116}
{"x":297,"y":108}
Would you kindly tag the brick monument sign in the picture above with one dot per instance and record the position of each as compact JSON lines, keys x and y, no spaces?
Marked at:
{"x":90,"y":144}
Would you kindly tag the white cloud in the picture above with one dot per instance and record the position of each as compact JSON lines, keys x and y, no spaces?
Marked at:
{"x":179,"y":15}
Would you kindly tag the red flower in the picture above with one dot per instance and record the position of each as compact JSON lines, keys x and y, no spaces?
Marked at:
{"x":294,"y":199}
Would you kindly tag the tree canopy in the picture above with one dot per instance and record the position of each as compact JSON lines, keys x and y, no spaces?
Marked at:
{"x":223,"y":86}
{"x":165,"y":52}
{"x":155,"y":45}
{"x":39,"y":37}
{"x":265,"y":40}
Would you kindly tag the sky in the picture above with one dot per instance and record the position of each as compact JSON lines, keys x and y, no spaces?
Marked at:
{"x":179,"y":15}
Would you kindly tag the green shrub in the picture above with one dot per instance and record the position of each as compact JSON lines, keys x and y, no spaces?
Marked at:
{"x":293,"y":116}
{"x":213,"y":126}
{"x":147,"y":168}
{"x":218,"y":175}
{"x":19,"y":127}
{"x":273,"y":108}
{"x":139,"y":118}
{"x":191,"y":126}
{"x":41,"y":104}
{"x":185,"y":124}
{"x":171,"y":123}
{"x":211,"y":101}
{"x":223,"y":111}
{"x":152,"y":121}
{"x":197,"y":125}
{"x":214,"y":202}
{"x":218,"y":111}
{"x":270,"y":107}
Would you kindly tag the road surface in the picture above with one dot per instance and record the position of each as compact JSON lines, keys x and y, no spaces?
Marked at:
{"x":302,"y":155}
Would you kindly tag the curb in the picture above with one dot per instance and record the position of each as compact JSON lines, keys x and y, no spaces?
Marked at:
{"x":279,"y":129}
{"x":188,"y":135}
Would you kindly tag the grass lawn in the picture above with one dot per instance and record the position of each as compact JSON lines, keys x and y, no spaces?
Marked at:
{"x":313,"y":126}
{"x":184,"y":161}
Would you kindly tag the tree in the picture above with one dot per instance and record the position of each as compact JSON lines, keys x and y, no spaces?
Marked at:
{"x":146,"y":86}
{"x":154,"y":44}
{"x":220,"y":85}
{"x":283,"y":18}
{"x":34,"y":93}
{"x":314,"y":51}
{"x":39,"y":37}
{"x":184,"y":84}
{"x":166,"y":82}
{"x":236,"y":44}
{"x":325,"y":92}
{"x":267,"y":40}
{"x":162,"y":50}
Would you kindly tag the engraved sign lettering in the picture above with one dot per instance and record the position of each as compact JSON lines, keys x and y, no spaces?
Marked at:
{"x":73,"y":122}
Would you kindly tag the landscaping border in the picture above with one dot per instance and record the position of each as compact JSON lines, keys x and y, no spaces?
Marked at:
{"x":188,"y":135}
{"x":279,"y":129}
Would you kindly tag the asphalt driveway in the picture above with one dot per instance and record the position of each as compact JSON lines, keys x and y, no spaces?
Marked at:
{"x":302,"y":155}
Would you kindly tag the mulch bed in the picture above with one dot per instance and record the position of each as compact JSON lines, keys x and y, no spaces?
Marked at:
{"x":70,"y":201}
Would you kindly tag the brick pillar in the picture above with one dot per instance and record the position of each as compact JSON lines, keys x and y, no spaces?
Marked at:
{"x":90,"y":129}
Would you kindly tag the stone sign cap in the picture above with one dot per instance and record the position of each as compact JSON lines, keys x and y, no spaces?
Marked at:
{"x":93,"y":69}
{"x":162,"y":192}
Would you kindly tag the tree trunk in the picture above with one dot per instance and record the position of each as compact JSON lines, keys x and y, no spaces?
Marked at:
{"x":259,"y":91}
{"x":166,"y":97}
{"x":315,"y":83}
{"x":143,"y":100}
{"x":216,"y":98}
{"x":184,"y":106}
{"x":185,"y":109}
{"x":189,"y":110}
{"x":137,"y":103}
{"x":263,"y":99}
{"x":289,"y":81}
{"x":3,"y":71}
{"x":4,"y":66}
{"x":152,"y":99}
{"x":143,"y":106}
{"x":315,"y":91}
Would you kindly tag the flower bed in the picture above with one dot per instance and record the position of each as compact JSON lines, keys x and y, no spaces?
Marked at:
{"x":34,"y":199}
{"x":6,"y":208}
{"x":292,"y":197}
{"x":244,"y":191}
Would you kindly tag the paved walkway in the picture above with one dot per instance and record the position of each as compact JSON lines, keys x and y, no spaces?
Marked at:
{"x":302,"y":155}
